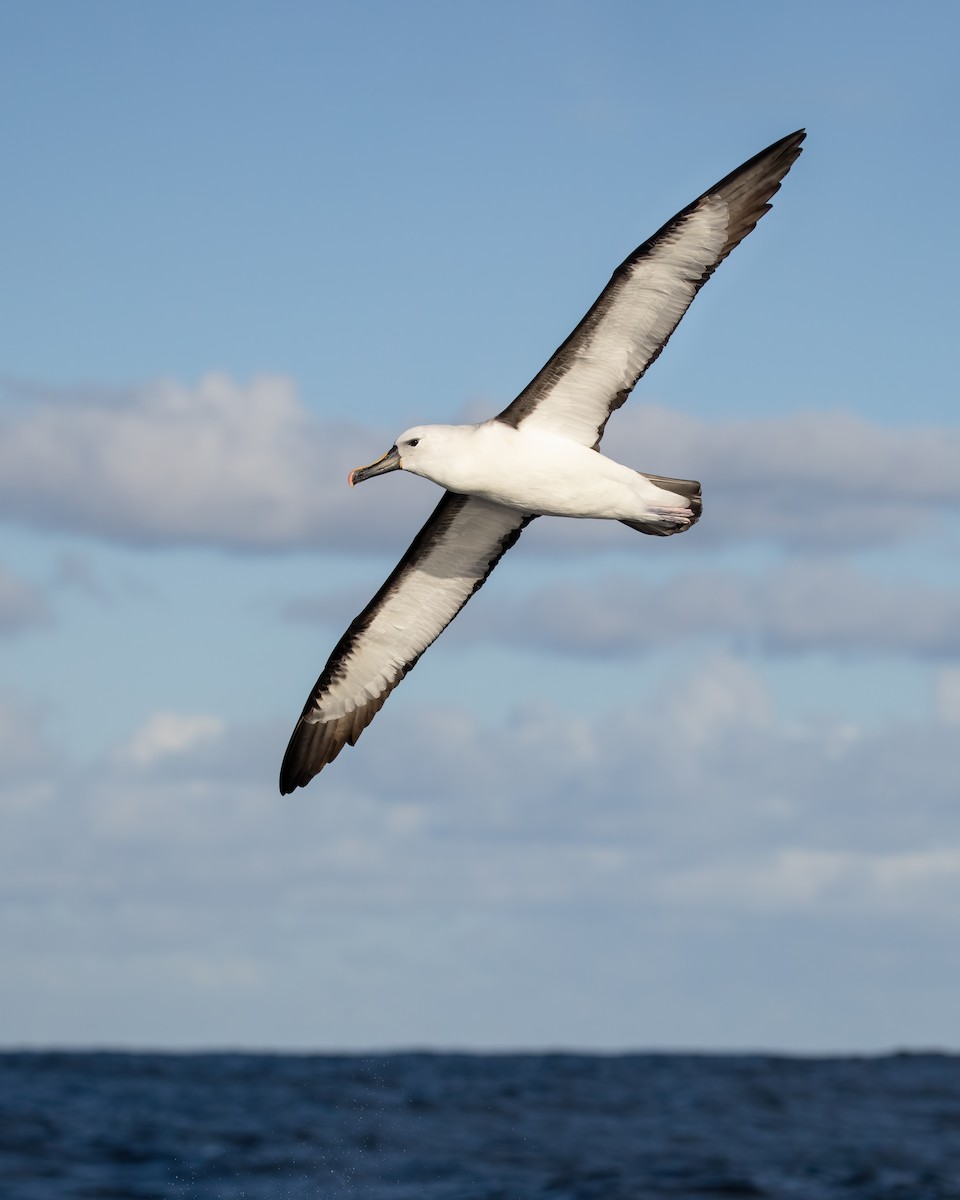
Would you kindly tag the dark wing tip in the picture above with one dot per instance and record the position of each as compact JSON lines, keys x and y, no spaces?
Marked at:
{"x":314,"y":744}
{"x":749,"y":189}
{"x":747,"y":192}
{"x":305,"y":756}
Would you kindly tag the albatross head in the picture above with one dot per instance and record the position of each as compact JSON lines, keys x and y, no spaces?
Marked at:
{"x":422,"y":450}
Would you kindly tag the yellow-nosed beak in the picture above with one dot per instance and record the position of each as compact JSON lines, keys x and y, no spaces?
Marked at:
{"x":389,"y":462}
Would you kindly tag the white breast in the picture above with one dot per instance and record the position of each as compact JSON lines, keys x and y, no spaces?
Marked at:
{"x":539,"y":472}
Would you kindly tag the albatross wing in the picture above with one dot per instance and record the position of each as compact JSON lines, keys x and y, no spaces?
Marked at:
{"x":596,"y":368}
{"x":448,"y":560}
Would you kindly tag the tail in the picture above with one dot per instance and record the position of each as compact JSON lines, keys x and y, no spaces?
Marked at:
{"x":671,"y":517}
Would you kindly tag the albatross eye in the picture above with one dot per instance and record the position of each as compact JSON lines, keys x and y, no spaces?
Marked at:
{"x":413,"y":442}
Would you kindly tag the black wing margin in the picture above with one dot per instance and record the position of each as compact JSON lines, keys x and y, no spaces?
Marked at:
{"x":595,"y":369}
{"x":449,"y":559}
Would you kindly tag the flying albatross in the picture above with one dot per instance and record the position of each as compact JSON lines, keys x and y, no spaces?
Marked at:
{"x":540,"y":456}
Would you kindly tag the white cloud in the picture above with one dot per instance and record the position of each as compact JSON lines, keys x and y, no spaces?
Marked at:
{"x":803,"y":606}
{"x":218,"y":464}
{"x":824,"y":480}
{"x":832,"y":455}
{"x":725,"y":695}
{"x":445,"y":859}
{"x":167,"y":733}
{"x":250,"y":468}
{"x":798,"y":878}
{"x":702,"y":774}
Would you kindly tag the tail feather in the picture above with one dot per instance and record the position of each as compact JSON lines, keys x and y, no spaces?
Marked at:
{"x":672,"y":518}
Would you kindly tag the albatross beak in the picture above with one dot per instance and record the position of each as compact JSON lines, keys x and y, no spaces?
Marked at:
{"x":389,"y":462}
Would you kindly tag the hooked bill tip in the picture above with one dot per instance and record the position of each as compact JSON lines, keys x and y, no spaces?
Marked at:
{"x":350,"y":479}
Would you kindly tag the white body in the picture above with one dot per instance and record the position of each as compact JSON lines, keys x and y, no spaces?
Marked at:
{"x":533,"y":471}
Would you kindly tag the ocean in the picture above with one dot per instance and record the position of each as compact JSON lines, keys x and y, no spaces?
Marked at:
{"x":422,"y":1126}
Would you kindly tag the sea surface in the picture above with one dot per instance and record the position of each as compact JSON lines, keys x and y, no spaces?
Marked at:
{"x":478,"y":1127}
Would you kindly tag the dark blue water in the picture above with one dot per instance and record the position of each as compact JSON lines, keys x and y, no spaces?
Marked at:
{"x":478,"y":1127}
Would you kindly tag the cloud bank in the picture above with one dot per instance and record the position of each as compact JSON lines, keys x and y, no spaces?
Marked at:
{"x":694,"y":844}
{"x":241,"y":468}
{"x":800,"y":607}
{"x":248,"y":468}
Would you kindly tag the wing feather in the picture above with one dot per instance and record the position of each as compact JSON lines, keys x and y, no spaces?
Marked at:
{"x":596,"y":368}
{"x":449,"y":559}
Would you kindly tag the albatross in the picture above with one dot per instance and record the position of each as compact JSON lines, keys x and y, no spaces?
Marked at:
{"x":539,"y":457}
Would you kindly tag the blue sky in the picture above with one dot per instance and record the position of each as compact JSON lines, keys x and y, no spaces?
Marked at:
{"x":697,"y":793}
